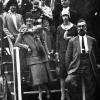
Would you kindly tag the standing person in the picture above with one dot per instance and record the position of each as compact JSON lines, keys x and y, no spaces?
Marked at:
{"x":64,"y":32}
{"x":12,"y":23}
{"x":37,"y":54}
{"x":80,"y":62}
{"x":25,"y":6}
{"x":61,"y":5}
{"x":47,"y":23}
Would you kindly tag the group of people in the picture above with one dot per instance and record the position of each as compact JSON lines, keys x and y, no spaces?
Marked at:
{"x":77,"y":53}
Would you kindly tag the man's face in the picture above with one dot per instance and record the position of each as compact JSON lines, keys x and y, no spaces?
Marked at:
{"x":81,"y":26}
{"x":35,"y":5}
{"x":13,"y":8}
{"x":65,"y":3}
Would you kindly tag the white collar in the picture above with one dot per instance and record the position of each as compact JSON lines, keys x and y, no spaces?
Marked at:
{"x":66,"y":8}
{"x":67,"y":27}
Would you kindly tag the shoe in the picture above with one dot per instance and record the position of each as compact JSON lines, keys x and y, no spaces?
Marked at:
{"x":48,"y":95}
{"x":40,"y":97}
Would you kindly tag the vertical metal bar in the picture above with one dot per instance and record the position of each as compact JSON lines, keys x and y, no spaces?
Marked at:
{"x":18,"y":73}
{"x":83,"y":89}
{"x":14,"y":74}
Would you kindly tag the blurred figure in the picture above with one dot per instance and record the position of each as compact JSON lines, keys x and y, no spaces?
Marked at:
{"x":25,"y":6}
{"x":47,"y":23}
{"x":12,"y":23}
{"x":61,"y":5}
{"x":31,"y":38}
{"x":65,"y":32}
{"x":37,"y":13}
{"x":81,"y":60}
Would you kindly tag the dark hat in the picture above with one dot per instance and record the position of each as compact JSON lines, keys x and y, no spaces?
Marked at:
{"x":29,"y":15}
{"x":10,"y":3}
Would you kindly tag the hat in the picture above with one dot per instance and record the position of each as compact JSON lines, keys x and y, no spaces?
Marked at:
{"x":29,"y":15}
{"x":65,"y":12}
{"x":10,"y":3}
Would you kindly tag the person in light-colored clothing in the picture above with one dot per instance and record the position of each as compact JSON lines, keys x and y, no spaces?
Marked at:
{"x":32,"y":39}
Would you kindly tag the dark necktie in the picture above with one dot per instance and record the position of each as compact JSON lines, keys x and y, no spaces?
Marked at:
{"x":83,"y":46}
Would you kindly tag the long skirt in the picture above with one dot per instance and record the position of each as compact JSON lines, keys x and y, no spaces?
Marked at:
{"x":40,"y":73}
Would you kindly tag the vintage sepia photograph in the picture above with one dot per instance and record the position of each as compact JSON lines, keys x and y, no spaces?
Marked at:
{"x":49,"y":49}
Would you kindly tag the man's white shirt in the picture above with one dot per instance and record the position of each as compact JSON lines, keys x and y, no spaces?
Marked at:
{"x":14,"y":19}
{"x":85,"y":43}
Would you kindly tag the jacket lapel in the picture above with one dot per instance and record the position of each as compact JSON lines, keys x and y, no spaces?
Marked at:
{"x":77,"y":43}
{"x":89,"y":44}
{"x":17,"y":20}
{"x":12,"y":21}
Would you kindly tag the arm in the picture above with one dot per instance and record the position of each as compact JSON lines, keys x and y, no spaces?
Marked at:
{"x":5,"y":29}
{"x":57,"y":40}
{"x":69,"y":54}
{"x":96,"y":51}
{"x":57,"y":44}
{"x":19,"y":43}
{"x":70,"y":33}
{"x":43,"y":40}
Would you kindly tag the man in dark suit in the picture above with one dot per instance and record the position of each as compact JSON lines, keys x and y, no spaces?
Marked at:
{"x":81,"y":64}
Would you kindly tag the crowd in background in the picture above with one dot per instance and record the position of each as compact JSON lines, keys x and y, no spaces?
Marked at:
{"x":43,"y":29}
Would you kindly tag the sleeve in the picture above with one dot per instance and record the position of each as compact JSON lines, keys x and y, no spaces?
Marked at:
{"x":43,"y":40}
{"x":5,"y":29}
{"x":96,"y":51}
{"x":57,"y":40}
{"x":19,"y":42}
{"x":69,"y":54}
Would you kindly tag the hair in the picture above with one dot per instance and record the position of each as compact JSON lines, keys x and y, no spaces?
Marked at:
{"x":81,"y":20}
{"x":29,"y":15}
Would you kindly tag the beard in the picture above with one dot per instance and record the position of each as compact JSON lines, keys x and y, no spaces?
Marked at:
{"x":82,"y":32}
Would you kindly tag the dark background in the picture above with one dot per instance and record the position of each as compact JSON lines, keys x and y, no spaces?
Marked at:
{"x":88,"y":10}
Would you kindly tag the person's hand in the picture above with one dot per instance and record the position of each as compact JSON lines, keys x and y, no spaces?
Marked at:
{"x":58,"y":70}
{"x":23,"y":28}
{"x":71,"y":79}
{"x":11,"y":36}
{"x":57,"y":56}
{"x":29,"y":49}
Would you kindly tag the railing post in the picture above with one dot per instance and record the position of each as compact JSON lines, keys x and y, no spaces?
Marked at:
{"x":17,"y":74}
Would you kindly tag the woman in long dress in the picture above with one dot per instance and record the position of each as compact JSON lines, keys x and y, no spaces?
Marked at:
{"x":32,"y":40}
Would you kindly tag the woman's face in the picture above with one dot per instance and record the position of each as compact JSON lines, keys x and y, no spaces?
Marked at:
{"x":65,"y":3}
{"x":29,"y":22}
{"x":65,"y":18}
